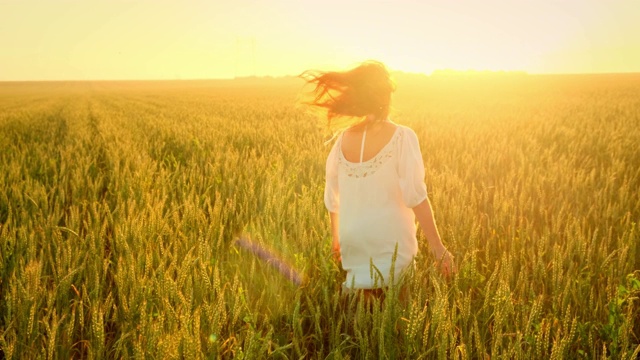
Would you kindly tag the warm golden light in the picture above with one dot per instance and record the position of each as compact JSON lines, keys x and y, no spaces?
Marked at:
{"x":206,"y":39}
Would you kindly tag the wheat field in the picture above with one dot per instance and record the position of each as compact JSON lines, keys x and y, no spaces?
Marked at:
{"x":120,"y":203}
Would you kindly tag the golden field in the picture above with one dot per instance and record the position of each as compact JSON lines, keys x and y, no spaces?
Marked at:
{"x":120,"y":203}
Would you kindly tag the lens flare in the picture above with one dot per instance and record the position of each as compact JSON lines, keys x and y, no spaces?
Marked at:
{"x":272,"y":259}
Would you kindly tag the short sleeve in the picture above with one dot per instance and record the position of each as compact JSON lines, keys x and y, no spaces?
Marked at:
{"x":331,"y":190}
{"x":411,"y":170}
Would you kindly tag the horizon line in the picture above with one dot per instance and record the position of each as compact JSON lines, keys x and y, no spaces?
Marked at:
{"x":435,"y":73}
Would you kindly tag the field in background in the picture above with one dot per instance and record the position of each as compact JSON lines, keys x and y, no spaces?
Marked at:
{"x":119,"y":204}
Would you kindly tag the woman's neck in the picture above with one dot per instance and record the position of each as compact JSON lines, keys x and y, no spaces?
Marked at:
{"x":370,"y":123}
{"x":373,"y":119}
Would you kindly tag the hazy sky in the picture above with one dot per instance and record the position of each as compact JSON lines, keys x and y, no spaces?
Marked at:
{"x":163,"y":39}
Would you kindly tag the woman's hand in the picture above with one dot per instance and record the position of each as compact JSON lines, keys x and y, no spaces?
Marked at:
{"x":424,"y":214}
{"x":446,"y":263}
{"x":335,"y":236}
{"x":335,"y":250}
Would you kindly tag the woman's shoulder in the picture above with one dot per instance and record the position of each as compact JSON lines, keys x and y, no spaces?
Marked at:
{"x":407,"y":133}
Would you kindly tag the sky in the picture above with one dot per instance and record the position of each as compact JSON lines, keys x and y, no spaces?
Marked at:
{"x":205,"y":39}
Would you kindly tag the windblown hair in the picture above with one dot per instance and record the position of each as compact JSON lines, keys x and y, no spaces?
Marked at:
{"x":362,"y":91}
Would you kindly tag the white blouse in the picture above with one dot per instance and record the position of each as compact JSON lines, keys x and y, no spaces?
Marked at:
{"x":374,"y":200}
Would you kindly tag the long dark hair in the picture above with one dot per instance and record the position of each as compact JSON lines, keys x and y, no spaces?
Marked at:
{"x":359,"y":92}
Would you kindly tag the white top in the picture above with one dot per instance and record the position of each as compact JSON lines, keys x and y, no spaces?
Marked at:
{"x":374,"y":200}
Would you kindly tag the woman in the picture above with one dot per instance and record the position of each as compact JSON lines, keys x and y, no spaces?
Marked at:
{"x":375,"y":186}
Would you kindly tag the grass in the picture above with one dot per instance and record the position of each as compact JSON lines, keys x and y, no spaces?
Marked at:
{"x":120,"y":201}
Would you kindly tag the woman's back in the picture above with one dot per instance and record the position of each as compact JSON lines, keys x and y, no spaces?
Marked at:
{"x":377,"y":137}
{"x":373,"y":200}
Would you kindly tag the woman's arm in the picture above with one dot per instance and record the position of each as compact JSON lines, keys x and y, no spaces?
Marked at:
{"x":335,"y":236}
{"x":424,"y":214}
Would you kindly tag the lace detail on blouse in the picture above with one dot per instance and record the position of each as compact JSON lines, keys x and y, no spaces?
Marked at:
{"x":369,"y":167}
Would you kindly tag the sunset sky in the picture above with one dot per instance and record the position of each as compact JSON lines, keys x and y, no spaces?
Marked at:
{"x":202,"y":39}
